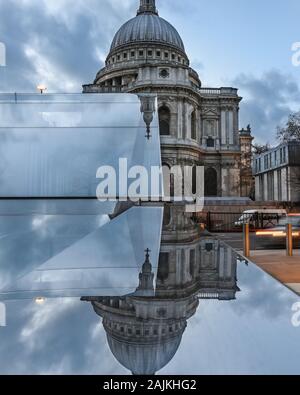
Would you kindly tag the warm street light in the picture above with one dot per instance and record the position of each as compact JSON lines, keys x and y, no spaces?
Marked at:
{"x":40,"y":300}
{"x":41,"y":88}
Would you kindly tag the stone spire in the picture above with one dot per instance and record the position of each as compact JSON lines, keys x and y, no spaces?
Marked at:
{"x":146,"y":278}
{"x":147,"y":6}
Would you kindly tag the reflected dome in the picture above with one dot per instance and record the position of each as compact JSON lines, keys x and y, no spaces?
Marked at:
{"x":143,"y":334}
{"x":142,"y":358}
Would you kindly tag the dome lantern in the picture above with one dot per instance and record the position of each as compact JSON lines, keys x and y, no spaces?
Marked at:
{"x":147,"y":6}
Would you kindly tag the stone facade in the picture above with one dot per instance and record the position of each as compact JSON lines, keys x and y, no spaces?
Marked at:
{"x":199,"y":126}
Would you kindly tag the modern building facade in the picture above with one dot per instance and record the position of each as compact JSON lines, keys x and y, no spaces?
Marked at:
{"x":277,"y":173}
{"x":198,"y":126}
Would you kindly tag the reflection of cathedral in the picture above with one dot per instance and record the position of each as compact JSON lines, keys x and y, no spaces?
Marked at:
{"x":189,"y":261}
{"x":144,"y":329}
{"x":199,"y":126}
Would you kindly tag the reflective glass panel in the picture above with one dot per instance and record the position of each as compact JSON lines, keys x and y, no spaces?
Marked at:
{"x":53,"y":145}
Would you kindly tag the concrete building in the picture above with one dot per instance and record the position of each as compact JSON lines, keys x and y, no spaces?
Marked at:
{"x":277,"y":174}
{"x":199,"y":126}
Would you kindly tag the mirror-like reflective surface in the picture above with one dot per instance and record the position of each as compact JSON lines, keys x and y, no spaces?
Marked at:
{"x":195,"y":307}
{"x":117,"y":288}
{"x":74,"y":254}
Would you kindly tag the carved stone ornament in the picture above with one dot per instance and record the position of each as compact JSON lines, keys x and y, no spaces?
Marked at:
{"x":148,"y":109}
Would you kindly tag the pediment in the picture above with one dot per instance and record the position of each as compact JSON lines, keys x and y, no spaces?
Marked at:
{"x":210,"y":113}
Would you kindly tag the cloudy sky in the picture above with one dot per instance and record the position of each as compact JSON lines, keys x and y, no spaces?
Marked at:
{"x":63,"y":43}
{"x":231,"y":337}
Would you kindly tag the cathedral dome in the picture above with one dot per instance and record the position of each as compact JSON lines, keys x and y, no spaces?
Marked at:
{"x":147,"y":27}
{"x":144,"y":359}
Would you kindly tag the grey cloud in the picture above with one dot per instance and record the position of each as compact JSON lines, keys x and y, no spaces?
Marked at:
{"x":66,"y":38}
{"x":268,"y":100}
{"x":62,"y":42}
{"x":63,"y":343}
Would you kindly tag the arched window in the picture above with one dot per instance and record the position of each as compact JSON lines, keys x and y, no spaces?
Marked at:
{"x":193,"y":126}
{"x":194,"y":180}
{"x":210,"y":142}
{"x":163,"y":267}
{"x":192,"y":262}
{"x":164,"y":121}
{"x":211,"y":182}
{"x":167,"y":215}
{"x":169,"y":181}
{"x":172,"y":185}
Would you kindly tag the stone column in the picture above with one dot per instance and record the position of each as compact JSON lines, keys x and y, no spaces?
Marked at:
{"x":230,"y":128}
{"x":276,"y":190}
{"x":258,"y":186}
{"x":266,"y":195}
{"x":223,"y":127}
{"x":179,"y":120}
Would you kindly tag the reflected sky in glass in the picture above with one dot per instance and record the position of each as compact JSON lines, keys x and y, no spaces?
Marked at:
{"x":118,"y":292}
{"x":75,"y":255}
{"x":251,"y":334}
{"x":52,"y":145}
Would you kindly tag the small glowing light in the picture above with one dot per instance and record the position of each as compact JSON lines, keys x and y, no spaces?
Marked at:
{"x":276,"y":234}
{"x":279,"y":234}
{"x":40,"y":300}
{"x":264,"y":233}
{"x":42,"y":88}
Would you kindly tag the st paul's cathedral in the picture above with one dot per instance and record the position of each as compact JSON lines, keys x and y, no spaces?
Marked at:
{"x":198,"y":126}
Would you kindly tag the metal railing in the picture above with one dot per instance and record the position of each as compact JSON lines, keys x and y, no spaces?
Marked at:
{"x":220,"y":222}
{"x":218,"y":91}
{"x":102,"y":89}
{"x":272,"y":166}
